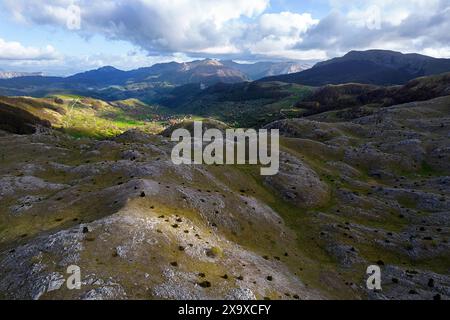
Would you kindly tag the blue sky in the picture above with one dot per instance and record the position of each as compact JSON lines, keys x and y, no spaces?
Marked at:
{"x":71,"y":43}
{"x":318,"y":8}
{"x":35,"y":34}
{"x":65,"y":41}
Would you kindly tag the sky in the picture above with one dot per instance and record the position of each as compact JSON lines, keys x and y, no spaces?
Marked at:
{"x":62,"y":37}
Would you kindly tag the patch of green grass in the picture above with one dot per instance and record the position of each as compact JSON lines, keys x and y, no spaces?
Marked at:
{"x":427,"y":170}
{"x":87,"y":117}
{"x":101,"y":120}
{"x":306,"y":255}
{"x":65,"y":96}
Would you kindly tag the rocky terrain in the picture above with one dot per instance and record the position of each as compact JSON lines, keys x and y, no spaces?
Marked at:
{"x":370,"y":190}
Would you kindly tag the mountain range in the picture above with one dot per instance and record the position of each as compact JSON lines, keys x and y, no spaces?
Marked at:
{"x":380,"y":67}
{"x":260,"y":70}
{"x":86,"y":178}
{"x":206,"y":71}
{"x":363,"y":180}
{"x":203,"y":85}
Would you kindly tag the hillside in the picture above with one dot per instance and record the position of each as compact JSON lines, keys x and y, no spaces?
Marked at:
{"x":147,"y":83}
{"x":79,"y":116}
{"x":260,"y":70}
{"x":357,"y":99}
{"x":363,"y":180}
{"x":373,"y":190}
{"x":250,"y":104}
{"x":378,"y":67}
{"x":208,"y":72}
{"x":258,"y":103}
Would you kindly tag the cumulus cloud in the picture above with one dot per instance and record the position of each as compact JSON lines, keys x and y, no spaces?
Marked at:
{"x":245,"y":30}
{"x":16,"y":51}
{"x":68,"y":65}
{"x":156,"y":25}
{"x":407,"y":26}
{"x":285,"y":24}
{"x":276,"y":34}
{"x":210,"y":27}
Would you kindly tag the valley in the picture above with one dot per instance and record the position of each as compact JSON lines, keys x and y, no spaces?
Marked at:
{"x":86,"y":179}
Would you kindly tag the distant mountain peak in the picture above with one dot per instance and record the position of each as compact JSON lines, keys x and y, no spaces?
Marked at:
{"x":380,"y":53}
{"x":201,"y":63}
{"x":206,"y":71}
{"x":263,"y":69}
{"x":212,"y":62}
{"x":381,"y":67}
{"x":107,"y":68}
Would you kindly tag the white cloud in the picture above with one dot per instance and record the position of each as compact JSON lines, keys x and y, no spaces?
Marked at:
{"x":16,"y":51}
{"x":406,"y":26}
{"x":276,"y":34}
{"x":221,"y":50}
{"x":392,"y":12}
{"x":243,"y":29}
{"x":443,"y":52}
{"x":155,"y":25}
{"x":209,"y":27}
{"x":68,"y":65}
{"x":286,"y":23}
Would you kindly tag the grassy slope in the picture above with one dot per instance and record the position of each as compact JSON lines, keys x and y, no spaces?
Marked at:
{"x":87,"y":117}
{"x":307,"y":255}
{"x":242,"y":105}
